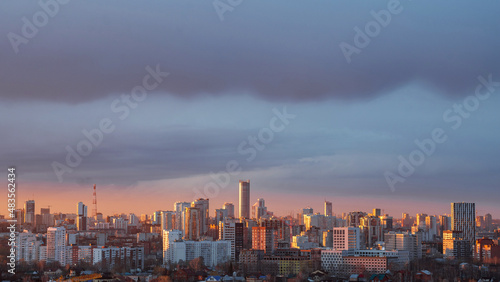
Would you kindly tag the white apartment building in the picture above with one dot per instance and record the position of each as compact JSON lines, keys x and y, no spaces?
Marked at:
{"x":27,"y":247}
{"x":56,"y":244}
{"x":213,"y":252}
{"x":346,"y":238}
{"x":404,"y":241}
{"x":170,"y":236}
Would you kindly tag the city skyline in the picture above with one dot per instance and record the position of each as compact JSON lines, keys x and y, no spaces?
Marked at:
{"x":278,"y":101}
{"x":272,"y":202}
{"x":131,"y":132}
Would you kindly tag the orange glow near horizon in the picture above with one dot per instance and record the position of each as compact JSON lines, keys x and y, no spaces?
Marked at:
{"x":142,"y":199}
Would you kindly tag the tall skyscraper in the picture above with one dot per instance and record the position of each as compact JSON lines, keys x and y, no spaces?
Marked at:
{"x":264,"y":238}
{"x":29,"y":212}
{"x":233,"y":232}
{"x":454,"y":245}
{"x":444,"y":224}
{"x":81,"y":217}
{"x":47,"y":218}
{"x":328,"y":209}
{"x":27,"y":247}
{"x":431,"y":227}
{"x":56,"y":244}
{"x":230,"y":209}
{"x":463,"y":219}
{"x":406,"y":220}
{"x":203,"y":206}
{"x":156,"y":218}
{"x":354,"y":218}
{"x":168,"y":220}
{"x":421,"y":217}
{"x":371,"y":230}
{"x":179,"y":208}
{"x":19,"y":216}
{"x":169,"y":237}
{"x":487,"y":222}
{"x":220,"y":215}
{"x":133,"y":220}
{"x":387,"y":222}
{"x":192,"y":222}
{"x":259,"y":209}
{"x":244,"y":208}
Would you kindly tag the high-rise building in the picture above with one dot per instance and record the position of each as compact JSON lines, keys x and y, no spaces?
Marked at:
{"x":29,"y":212}
{"x":431,"y":227}
{"x":346,"y":238}
{"x":168,"y":220}
{"x":371,"y":231}
{"x":203,"y":206}
{"x":47,"y":217}
{"x":156,"y":218}
{"x":455,"y":246}
{"x":232,"y":232}
{"x":56,"y":244}
{"x":354,"y":218}
{"x":487,"y":222}
{"x":81,"y":217}
{"x":377,"y":212}
{"x":404,"y":241}
{"x":230,"y":209}
{"x":170,"y":236}
{"x":328,"y":239}
{"x":315,"y":220}
{"x":179,"y":208}
{"x":259,"y":209}
{"x":487,"y":250}
{"x":27,"y":247}
{"x":463,"y":219}
{"x":109,"y":256}
{"x":133,"y":220}
{"x":406,"y":221}
{"x":444,"y":224}
{"x":119,"y":223}
{"x":421,"y":217}
{"x":192,"y":223}
{"x":279,"y":225}
{"x":307,"y":210}
{"x":220,"y":215}
{"x":328,"y":209}
{"x":19,"y":213}
{"x":480,"y":221}
{"x":264,"y":238}
{"x":387,"y":222}
{"x":213,"y":252}
{"x":244,"y":208}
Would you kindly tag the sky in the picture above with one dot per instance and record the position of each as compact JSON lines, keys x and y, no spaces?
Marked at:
{"x":390,"y":105}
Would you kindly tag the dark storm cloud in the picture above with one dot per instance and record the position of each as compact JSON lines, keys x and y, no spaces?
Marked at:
{"x":284,"y":50}
{"x":128,"y":158}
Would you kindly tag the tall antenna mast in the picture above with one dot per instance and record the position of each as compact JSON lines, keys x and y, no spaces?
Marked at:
{"x":94,"y":203}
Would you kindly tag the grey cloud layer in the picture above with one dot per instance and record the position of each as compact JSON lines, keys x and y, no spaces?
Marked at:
{"x":284,"y":50}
